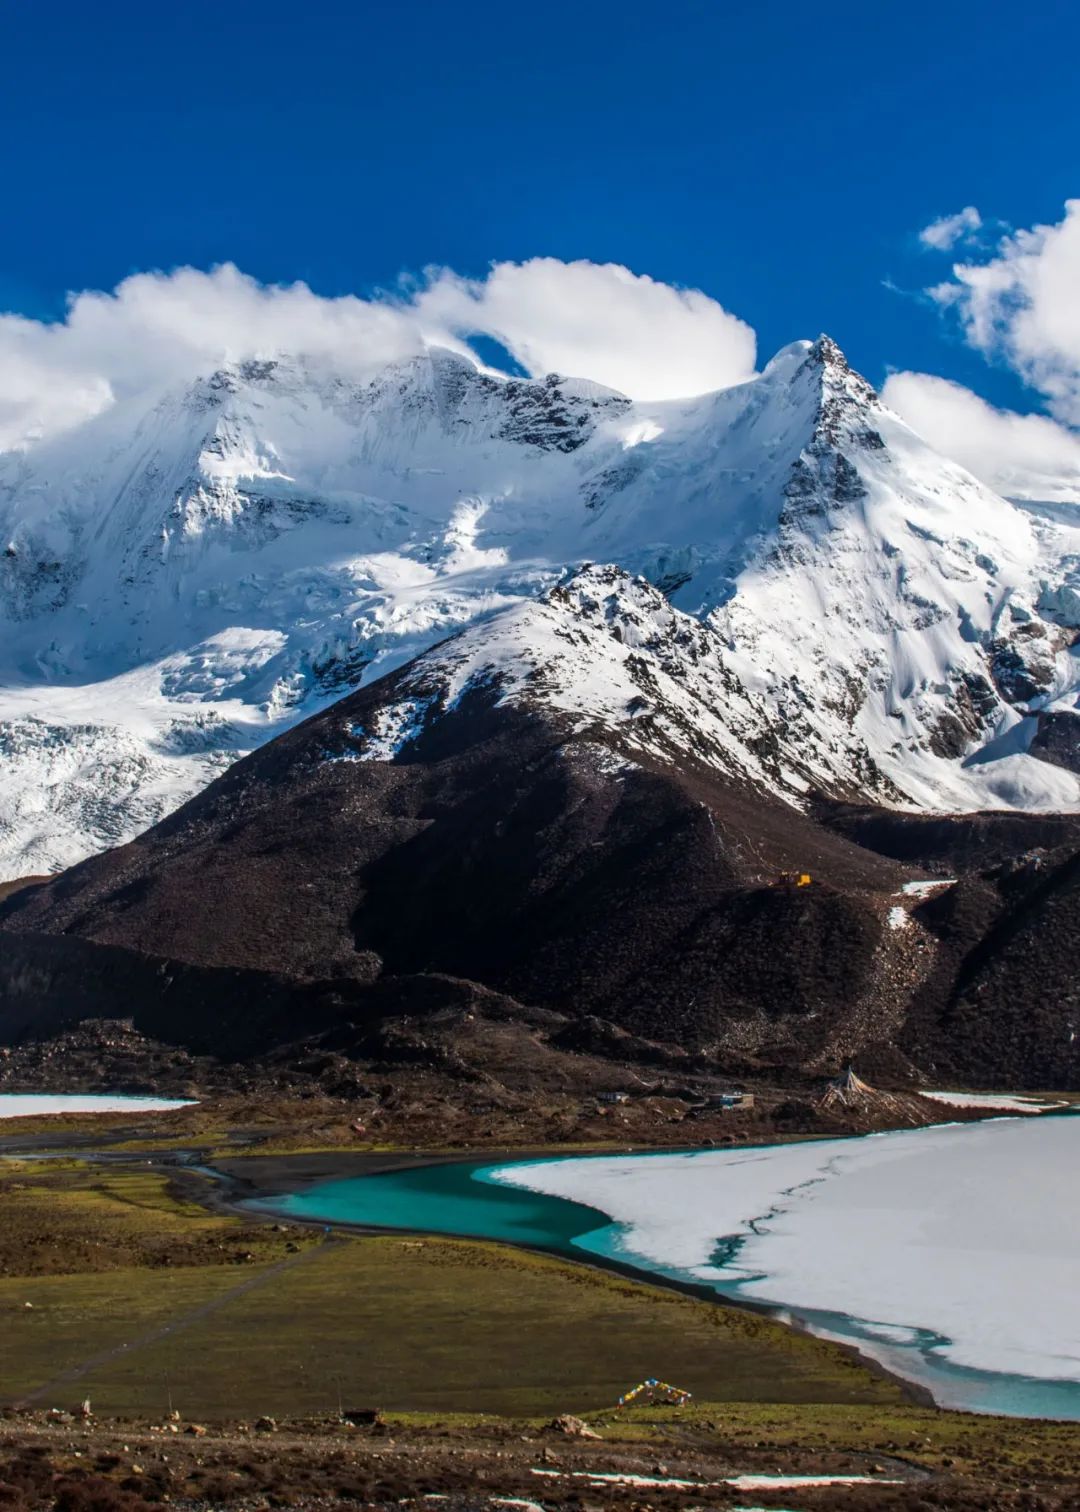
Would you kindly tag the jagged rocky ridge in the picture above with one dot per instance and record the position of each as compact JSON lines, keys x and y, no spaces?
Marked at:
{"x":566,"y":808}
{"x":190,"y":574}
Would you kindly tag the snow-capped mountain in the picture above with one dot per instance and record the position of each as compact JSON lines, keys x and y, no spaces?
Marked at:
{"x":184,"y":577}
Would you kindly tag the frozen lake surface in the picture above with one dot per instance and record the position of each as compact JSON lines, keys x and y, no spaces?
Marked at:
{"x":952,"y":1254}
{"x":34,"y":1104}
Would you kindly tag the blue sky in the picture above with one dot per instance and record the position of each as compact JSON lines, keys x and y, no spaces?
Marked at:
{"x":780,"y":157}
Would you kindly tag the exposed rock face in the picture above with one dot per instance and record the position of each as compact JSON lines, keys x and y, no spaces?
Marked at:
{"x":970,"y":714}
{"x":1023,"y":666}
{"x":1057,"y":739}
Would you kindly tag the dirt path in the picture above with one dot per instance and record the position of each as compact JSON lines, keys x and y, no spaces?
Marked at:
{"x":174,"y":1325}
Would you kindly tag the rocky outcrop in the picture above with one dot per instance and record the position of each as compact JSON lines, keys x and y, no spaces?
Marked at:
{"x":1057,"y":739}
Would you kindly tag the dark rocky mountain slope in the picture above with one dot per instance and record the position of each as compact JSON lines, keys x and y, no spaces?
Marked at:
{"x":565,"y":817}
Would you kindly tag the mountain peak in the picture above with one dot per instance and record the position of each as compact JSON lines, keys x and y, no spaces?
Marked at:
{"x":826,"y":351}
{"x":841,"y":390}
{"x":291,"y":531}
{"x":788,"y":360}
{"x":846,"y":403}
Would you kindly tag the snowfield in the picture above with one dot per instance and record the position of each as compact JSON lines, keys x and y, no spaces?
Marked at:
{"x":957,"y":1240}
{"x":191,"y":572}
{"x":37,"y":1104}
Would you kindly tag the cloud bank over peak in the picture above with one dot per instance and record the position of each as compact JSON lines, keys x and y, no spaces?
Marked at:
{"x":648,"y":339}
{"x":157,"y":329}
{"x":598,"y":321}
{"x":1017,"y":301}
{"x":1021,"y":456}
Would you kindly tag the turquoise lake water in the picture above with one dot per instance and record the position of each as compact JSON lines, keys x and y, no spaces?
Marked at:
{"x":446,"y":1199}
{"x":463,"y":1199}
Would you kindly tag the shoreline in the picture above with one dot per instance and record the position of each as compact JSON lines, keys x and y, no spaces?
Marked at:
{"x":243,"y":1189}
{"x":230,"y":1185}
{"x":231,"y":1202}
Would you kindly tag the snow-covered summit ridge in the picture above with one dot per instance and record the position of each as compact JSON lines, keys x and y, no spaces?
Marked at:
{"x":900,"y":598}
{"x":250,"y":546}
{"x":625,"y":668}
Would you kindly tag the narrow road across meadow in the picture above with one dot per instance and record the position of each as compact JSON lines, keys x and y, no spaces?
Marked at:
{"x":175,"y":1325}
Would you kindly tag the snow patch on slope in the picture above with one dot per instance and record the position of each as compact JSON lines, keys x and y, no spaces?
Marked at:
{"x":83,"y":767}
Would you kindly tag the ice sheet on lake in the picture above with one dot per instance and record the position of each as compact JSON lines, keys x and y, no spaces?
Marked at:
{"x":969,"y":1232}
{"x":34,"y":1104}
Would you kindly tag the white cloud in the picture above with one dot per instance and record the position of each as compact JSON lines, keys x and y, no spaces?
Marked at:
{"x":598,"y":321}
{"x":38,"y":394}
{"x":601,"y":322}
{"x":1021,"y":305}
{"x":1023,"y":456}
{"x":942,"y":235}
{"x":157,"y":328}
{"x":1018,"y":303}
